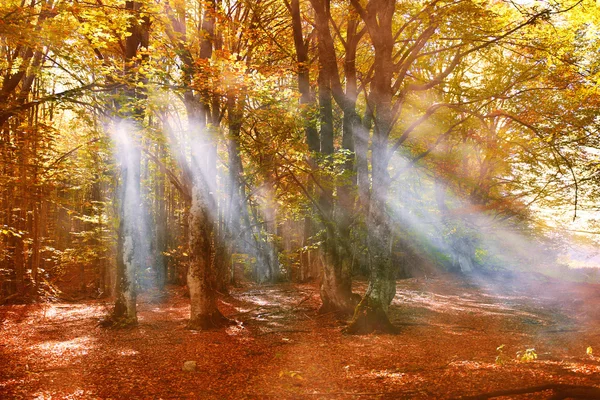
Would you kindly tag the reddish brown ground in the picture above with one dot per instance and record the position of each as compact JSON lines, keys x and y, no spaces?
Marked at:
{"x":446,"y":347}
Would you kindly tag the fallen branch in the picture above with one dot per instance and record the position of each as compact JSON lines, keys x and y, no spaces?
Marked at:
{"x":283,"y":331}
{"x":561,"y":330}
{"x":65,"y":321}
{"x":396,"y":394}
{"x":562,"y":391}
{"x":8,"y":298}
{"x":326,"y":314}
{"x":245,"y":312}
{"x":302,"y":301}
{"x":402,"y":393}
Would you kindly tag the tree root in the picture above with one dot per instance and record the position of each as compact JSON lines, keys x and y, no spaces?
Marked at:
{"x":9,"y":298}
{"x":369,"y":316}
{"x":562,"y":391}
{"x":213,"y":320}
{"x":111,"y":321}
{"x":345,"y":307}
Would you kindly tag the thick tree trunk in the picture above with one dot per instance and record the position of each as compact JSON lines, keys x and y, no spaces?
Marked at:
{"x":335,"y":290}
{"x":371,"y":312}
{"x":201,"y":276}
{"x":336,"y":293}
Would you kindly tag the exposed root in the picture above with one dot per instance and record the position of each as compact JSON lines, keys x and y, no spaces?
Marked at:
{"x":14,"y":298}
{"x":111,"y":321}
{"x":343,"y":307}
{"x":562,"y":391}
{"x":369,"y":316}
{"x":213,"y":320}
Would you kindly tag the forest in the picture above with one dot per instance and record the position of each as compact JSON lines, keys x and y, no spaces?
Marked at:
{"x":299,"y":199}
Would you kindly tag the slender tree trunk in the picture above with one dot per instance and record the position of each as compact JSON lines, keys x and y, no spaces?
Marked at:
{"x":36,"y":200}
{"x":461,"y":245}
{"x":238,"y":232}
{"x":128,"y":259}
{"x":20,"y":249}
{"x":307,"y":102}
{"x":270,"y":215}
{"x":130,"y":242}
{"x":160,"y":260}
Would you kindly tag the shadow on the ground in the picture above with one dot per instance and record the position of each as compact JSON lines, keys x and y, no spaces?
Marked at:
{"x":281,"y":347}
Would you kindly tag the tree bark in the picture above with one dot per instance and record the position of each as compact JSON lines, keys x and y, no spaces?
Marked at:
{"x":307,"y":104}
{"x":336,"y":282}
{"x":130,"y":246}
{"x":371,"y":312}
{"x":160,"y":260}
{"x":201,"y":276}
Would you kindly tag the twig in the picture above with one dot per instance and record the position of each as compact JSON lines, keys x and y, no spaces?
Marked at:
{"x":327,"y":313}
{"x":245,"y":312}
{"x":563,"y":391}
{"x":302,"y":301}
{"x":7,"y":298}
{"x":283,"y":331}
{"x":402,"y":393}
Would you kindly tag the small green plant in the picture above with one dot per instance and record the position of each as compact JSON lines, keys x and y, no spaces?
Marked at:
{"x":527,"y":355}
{"x":501,"y":357}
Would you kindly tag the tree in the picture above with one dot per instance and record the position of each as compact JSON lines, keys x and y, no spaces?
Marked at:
{"x":397,"y":79}
{"x":131,"y":245}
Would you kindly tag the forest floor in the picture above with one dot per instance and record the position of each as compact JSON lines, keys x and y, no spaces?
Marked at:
{"x":281,"y":348}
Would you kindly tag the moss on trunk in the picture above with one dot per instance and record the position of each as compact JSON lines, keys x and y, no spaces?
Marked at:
{"x":370,"y":316}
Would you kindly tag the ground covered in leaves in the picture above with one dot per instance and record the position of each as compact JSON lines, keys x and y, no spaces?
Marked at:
{"x":447,"y":347}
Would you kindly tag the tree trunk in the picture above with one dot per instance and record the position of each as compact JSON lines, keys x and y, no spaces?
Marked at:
{"x":462,"y":246}
{"x":307,"y":103}
{"x":371,"y":312}
{"x":20,"y":223}
{"x":238,"y":219}
{"x":202,"y":274}
{"x":336,"y":291}
{"x":130,"y":244}
{"x":160,"y":260}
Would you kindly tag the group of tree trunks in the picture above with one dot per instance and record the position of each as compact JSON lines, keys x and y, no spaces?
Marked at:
{"x":417,"y":53}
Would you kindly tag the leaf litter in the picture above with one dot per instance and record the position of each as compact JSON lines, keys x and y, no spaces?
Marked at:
{"x":448,"y":346}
